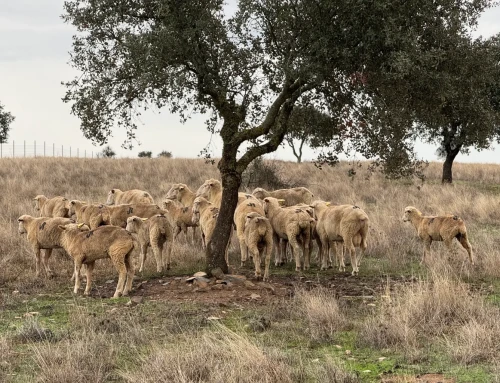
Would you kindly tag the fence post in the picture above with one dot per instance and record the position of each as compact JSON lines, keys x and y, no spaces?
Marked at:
{"x":35,"y":149}
{"x":85,"y":153}
{"x":53,"y":150}
{"x":13,"y":154}
{"x":70,"y":152}
{"x":24,"y":148}
{"x":44,"y":148}
{"x":62,"y":150}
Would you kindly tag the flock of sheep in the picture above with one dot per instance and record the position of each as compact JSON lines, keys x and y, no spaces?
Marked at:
{"x":263,"y":220}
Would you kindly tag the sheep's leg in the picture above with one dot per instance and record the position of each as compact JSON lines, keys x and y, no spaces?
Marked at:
{"x":157,"y":251}
{"x":129,"y":264}
{"x":324,"y":250}
{"x":144,"y":251}
{"x":45,"y":262}
{"x":306,"y":243}
{"x":252,"y":248}
{"x":168,"y":244}
{"x":339,"y":253}
{"x":203,"y":243}
{"x":352,"y":255}
{"x":37,"y":261}
{"x":78,"y":266}
{"x":283,"y":250}
{"x":90,"y":269}
{"x":243,"y":248}
{"x":295,"y":251}
{"x":122,"y":275}
{"x":267,"y":261}
{"x":276,"y":246}
{"x":427,"y":250}
{"x":185,"y":231}
{"x":467,"y":246}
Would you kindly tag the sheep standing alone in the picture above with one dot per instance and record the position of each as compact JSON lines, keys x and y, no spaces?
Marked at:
{"x":293,"y":225}
{"x":240,"y":217}
{"x":347,"y":223}
{"x":182,"y":217}
{"x":155,"y":232}
{"x":181,"y":193}
{"x":438,"y":228}
{"x":291,"y":197}
{"x":42,"y":234}
{"x":104,"y":242}
{"x":117,"y":197}
{"x":259,"y":239}
{"x":51,"y":207}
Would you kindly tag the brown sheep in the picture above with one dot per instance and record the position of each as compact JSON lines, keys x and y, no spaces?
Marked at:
{"x":259,"y":239}
{"x":117,"y":197}
{"x":291,"y":197}
{"x":155,"y":232}
{"x":438,"y":228}
{"x":293,"y":225}
{"x":117,"y":215}
{"x":341,"y":223}
{"x":53,"y":207}
{"x":182,"y":217}
{"x":240,"y":217}
{"x":104,"y":242}
{"x":42,"y":234}
{"x":181,"y":193}
{"x":205,"y":215}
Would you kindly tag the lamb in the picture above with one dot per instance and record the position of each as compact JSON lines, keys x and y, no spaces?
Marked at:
{"x":103,"y":242}
{"x":293,"y":225}
{"x":42,"y":233}
{"x":117,"y":197}
{"x":117,"y":215}
{"x":155,"y":232}
{"x":51,"y":207}
{"x":205,"y":215}
{"x":89,"y":214}
{"x":211,"y":190}
{"x":337,"y":223}
{"x":182,"y":217}
{"x":181,"y":193}
{"x":291,"y":197}
{"x":259,"y":239}
{"x":438,"y":228}
{"x":240,"y":217}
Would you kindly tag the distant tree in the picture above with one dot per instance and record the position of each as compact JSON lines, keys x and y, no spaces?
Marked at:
{"x":5,"y":120}
{"x":165,"y":154}
{"x":108,"y":152}
{"x":145,"y":154}
{"x":248,"y":71}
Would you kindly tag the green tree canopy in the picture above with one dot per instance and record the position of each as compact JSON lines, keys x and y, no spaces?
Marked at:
{"x":247,"y":71}
{"x":6,"y":119}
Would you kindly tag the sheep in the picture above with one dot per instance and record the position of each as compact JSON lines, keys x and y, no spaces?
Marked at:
{"x":205,"y":215}
{"x":117,"y":215}
{"x":117,"y":197}
{"x":240,"y":216}
{"x":337,"y":223}
{"x":89,"y":214}
{"x":181,"y":193}
{"x":293,"y":225}
{"x":104,"y":242}
{"x":292,"y":197}
{"x":182,"y":217}
{"x":211,"y":190}
{"x":51,"y":207}
{"x":259,"y":239}
{"x":438,"y":228}
{"x":42,"y":233}
{"x":154,"y":232}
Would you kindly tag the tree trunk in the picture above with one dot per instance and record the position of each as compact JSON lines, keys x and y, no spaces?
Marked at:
{"x":447,"y":166}
{"x":216,"y":248}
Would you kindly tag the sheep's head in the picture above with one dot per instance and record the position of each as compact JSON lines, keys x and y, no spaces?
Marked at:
{"x":22,"y":227}
{"x":410,"y":212}
{"x":173,"y":193}
{"x":72,"y":206}
{"x":270,"y":202}
{"x":208,"y":186}
{"x":134,"y":223}
{"x":260,"y":193}
{"x":112,"y":196}
{"x":38,"y":201}
{"x":253,"y":217}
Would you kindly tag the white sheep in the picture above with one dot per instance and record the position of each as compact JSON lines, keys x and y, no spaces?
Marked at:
{"x":259,"y":240}
{"x":135,"y":196}
{"x":51,"y":207}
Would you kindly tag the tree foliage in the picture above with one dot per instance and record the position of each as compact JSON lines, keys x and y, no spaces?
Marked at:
{"x":247,"y":71}
{"x":6,"y":118}
{"x":108,"y":152}
{"x":165,"y":154}
{"x":145,"y":154}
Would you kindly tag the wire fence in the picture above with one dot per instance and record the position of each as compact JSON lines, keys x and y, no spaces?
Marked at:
{"x":43,"y":149}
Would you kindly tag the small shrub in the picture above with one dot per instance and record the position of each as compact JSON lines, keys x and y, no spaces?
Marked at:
{"x":107,"y":152}
{"x":145,"y":154}
{"x":165,"y":154}
{"x":265,"y":174}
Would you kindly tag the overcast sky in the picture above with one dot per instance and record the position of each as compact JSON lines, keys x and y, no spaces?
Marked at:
{"x":34,"y":46}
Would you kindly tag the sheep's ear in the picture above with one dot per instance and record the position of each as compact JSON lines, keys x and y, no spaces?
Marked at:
{"x":266,"y":200}
{"x":112,"y":190}
{"x":328,"y":203}
{"x":181,"y":187}
{"x":72,"y":202}
{"x":62,"y":227}
{"x":144,"y":219}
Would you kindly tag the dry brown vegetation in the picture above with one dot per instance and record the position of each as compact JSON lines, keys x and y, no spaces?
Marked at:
{"x":443,"y":316}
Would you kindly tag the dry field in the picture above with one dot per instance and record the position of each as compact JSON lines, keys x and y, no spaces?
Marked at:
{"x":398,"y":321}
